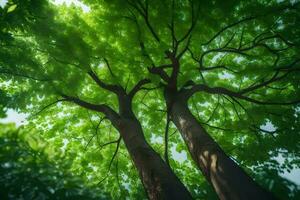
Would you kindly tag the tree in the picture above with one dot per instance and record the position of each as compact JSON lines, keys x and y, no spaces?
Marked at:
{"x":158,"y":179}
{"x":232,"y":64}
{"x":27,"y":172}
{"x":267,"y":48}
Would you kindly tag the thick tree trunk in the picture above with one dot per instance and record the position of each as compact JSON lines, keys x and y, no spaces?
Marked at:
{"x":228,"y":179}
{"x":158,"y":179}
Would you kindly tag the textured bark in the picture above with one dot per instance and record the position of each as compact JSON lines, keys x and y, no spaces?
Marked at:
{"x":158,"y":179}
{"x":226,"y":177}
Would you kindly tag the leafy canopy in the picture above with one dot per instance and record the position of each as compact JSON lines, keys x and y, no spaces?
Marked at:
{"x":49,"y":50}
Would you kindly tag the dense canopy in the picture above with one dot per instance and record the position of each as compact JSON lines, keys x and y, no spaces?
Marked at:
{"x":235,"y":62}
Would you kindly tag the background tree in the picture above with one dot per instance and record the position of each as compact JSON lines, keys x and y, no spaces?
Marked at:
{"x":41,"y":57}
{"x":28,"y":171}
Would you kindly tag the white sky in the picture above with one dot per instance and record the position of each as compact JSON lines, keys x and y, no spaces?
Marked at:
{"x":3,"y":3}
{"x":14,"y":117}
{"x":294,"y":175}
{"x":77,"y":3}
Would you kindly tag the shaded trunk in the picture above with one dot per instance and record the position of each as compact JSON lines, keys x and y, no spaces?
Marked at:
{"x":158,"y":179}
{"x":226,"y":177}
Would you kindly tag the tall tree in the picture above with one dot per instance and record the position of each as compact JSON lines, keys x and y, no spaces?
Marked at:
{"x":241,"y":38}
{"x":232,"y":64}
{"x":55,"y":57}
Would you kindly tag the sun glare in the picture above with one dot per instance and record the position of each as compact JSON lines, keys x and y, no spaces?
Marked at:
{"x":3,"y":3}
{"x":77,"y":3}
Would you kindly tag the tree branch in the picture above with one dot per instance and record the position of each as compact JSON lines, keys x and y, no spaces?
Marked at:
{"x":108,"y":143}
{"x":143,"y":11}
{"x":49,"y":105}
{"x":227,"y":27}
{"x":172,"y":83}
{"x":113,"y":88}
{"x":24,"y":76}
{"x":224,"y":91}
{"x":159,"y":71}
{"x":111,"y":161}
{"x":109,"y":112}
{"x":96,"y":132}
{"x":193,"y":24}
{"x":109,"y":68}
{"x":115,"y":153}
{"x":138,"y":87}
{"x":274,"y":78}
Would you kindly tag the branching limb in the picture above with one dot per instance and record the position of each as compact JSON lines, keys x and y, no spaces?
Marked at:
{"x":117,"y":174}
{"x":143,"y":11}
{"x":111,"y":161}
{"x":172,"y":28}
{"x":220,"y":50}
{"x":185,"y":48}
{"x":224,"y":91}
{"x":193,"y":21}
{"x":290,"y":67}
{"x":109,"y":68}
{"x":172,"y":83}
{"x":260,"y":41}
{"x":96,"y":131}
{"x":108,"y":143}
{"x":141,"y":43}
{"x":233,"y":105}
{"x":214,"y":111}
{"x":159,"y":71}
{"x":158,"y":110}
{"x":49,"y":105}
{"x":24,"y":76}
{"x":109,"y":112}
{"x":228,"y":27}
{"x":258,"y":130}
{"x":274,"y":78}
{"x":218,"y":67}
{"x":216,"y":127}
{"x":115,"y":153}
{"x":153,"y":88}
{"x":138,"y":87}
{"x":113,"y":88}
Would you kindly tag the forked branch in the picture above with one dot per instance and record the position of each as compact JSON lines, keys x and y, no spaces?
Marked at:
{"x":138,"y":87}
{"x":109,"y":112}
{"x":113,"y":88}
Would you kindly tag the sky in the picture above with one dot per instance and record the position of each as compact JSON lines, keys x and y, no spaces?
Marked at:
{"x":84,"y":7}
{"x":59,"y":2}
{"x":14,"y":117}
{"x":3,"y":3}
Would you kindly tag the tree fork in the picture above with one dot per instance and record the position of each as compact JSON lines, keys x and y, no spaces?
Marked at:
{"x":158,"y":179}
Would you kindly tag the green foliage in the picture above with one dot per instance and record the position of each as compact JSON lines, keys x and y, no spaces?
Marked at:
{"x":47,"y":50}
{"x":28,"y":173}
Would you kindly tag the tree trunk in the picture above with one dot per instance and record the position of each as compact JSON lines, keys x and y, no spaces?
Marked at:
{"x":158,"y":179}
{"x":226,"y":177}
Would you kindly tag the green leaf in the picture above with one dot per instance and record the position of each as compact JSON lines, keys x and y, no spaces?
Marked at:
{"x":12,"y":8}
